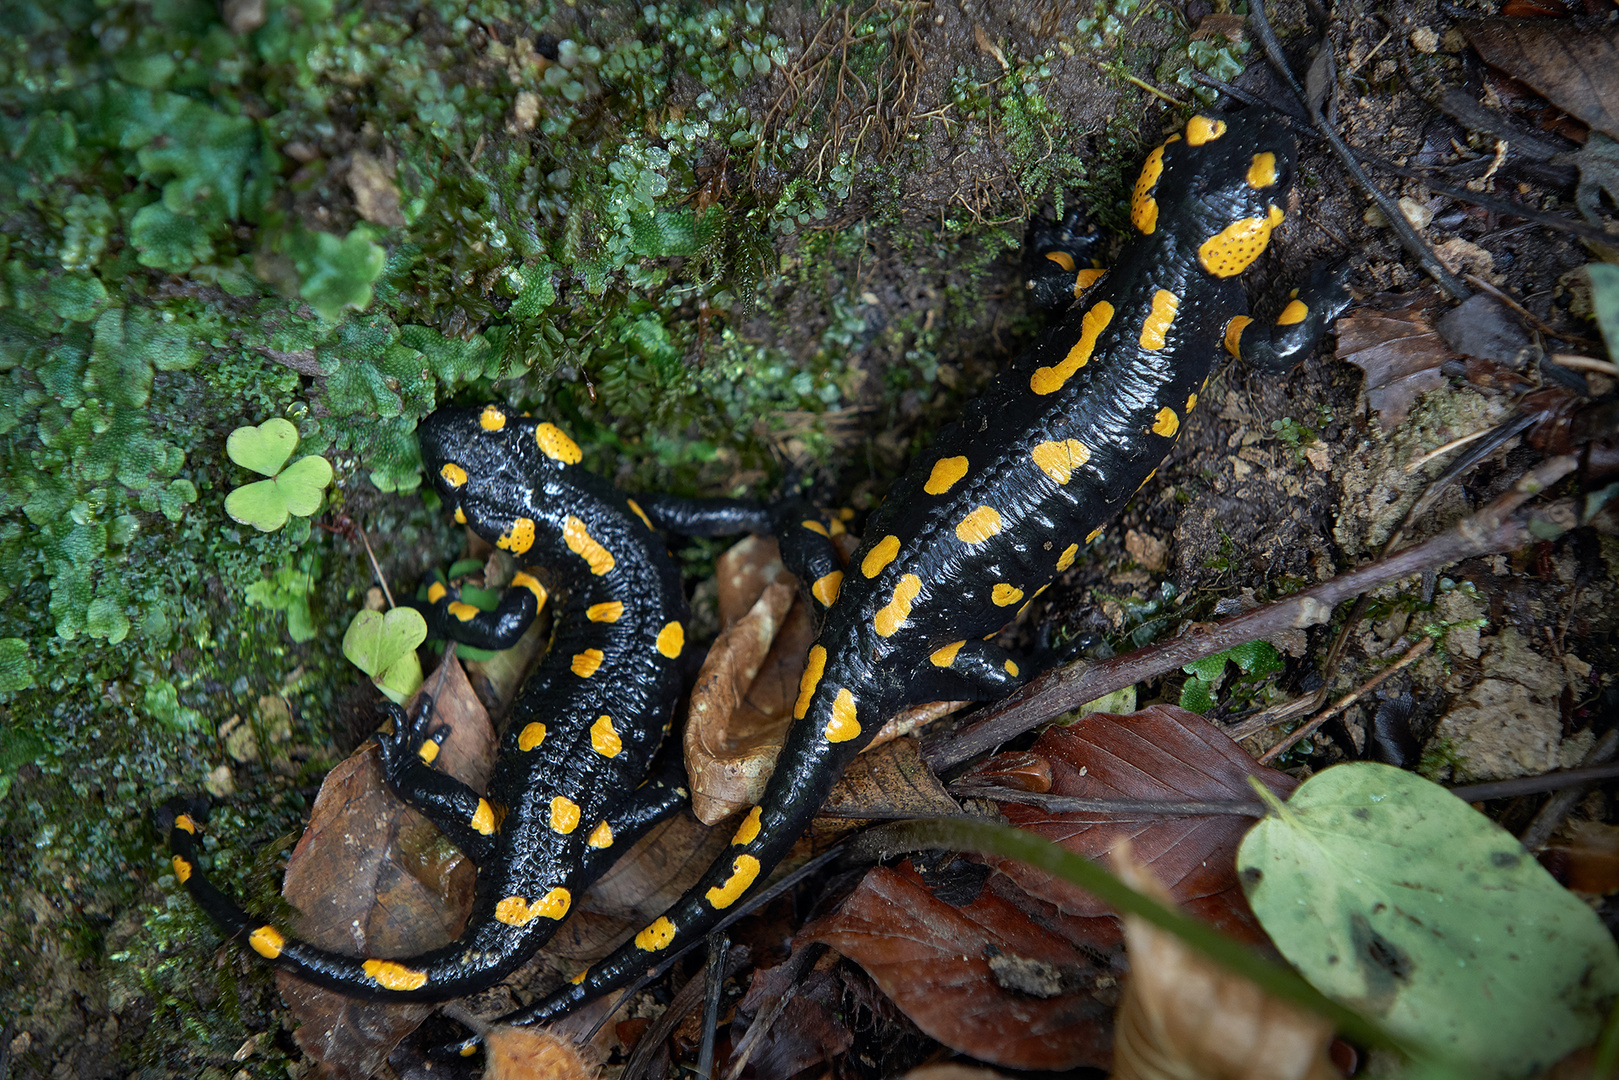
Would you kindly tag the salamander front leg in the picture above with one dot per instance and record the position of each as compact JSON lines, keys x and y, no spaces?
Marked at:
{"x":973,"y":670}
{"x":1062,"y":259}
{"x":1310,"y":310}
{"x":701,"y":517}
{"x":452,"y":619}
{"x":465,"y":818}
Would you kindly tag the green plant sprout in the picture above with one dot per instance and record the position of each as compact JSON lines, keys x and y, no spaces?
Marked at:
{"x":1255,"y":659}
{"x":384,"y":647}
{"x":297,"y":489}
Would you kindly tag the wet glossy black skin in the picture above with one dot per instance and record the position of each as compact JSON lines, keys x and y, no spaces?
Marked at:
{"x":983,"y":521}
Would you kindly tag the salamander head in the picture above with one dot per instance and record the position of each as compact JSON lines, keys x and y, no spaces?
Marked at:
{"x":1223,"y":184}
{"x":488,"y":451}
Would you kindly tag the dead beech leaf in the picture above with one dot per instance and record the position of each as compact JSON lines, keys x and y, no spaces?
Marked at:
{"x":813,"y":1024}
{"x":1392,"y":339}
{"x":1184,"y":1017}
{"x":374,"y":878}
{"x":982,"y":978}
{"x":1574,"y":65}
{"x":526,"y":1053}
{"x":890,"y":781}
{"x":1160,"y":753}
{"x":741,"y":705}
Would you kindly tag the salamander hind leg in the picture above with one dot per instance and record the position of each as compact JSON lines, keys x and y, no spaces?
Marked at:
{"x":808,"y":549}
{"x":407,"y":751}
{"x":1309,"y":311}
{"x":1062,"y":260}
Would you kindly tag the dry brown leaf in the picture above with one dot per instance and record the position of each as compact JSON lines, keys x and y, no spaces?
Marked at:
{"x":1589,"y":862}
{"x":1392,"y":339}
{"x":525,"y":1053}
{"x":891,"y":781}
{"x":1186,"y":1018}
{"x":953,"y":1070}
{"x":1573,"y":64}
{"x":374,"y":878}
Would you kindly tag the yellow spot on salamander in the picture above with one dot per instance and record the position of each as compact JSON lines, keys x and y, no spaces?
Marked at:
{"x":585,"y":664}
{"x":1233,"y":334}
{"x":827,"y":587}
{"x":453,"y":474}
{"x":1156,"y":325}
{"x":1005,"y":595}
{"x":436,"y":592}
{"x":1058,"y":460}
{"x":513,"y":911}
{"x":814,"y":668}
{"x":1062,"y":259}
{"x":635,"y":508}
{"x":837,"y":528}
{"x":460,"y":516}
{"x":468,"y":1050}
{"x":582,"y":544}
{"x":428,"y":751}
{"x":185,"y":824}
{"x":517,"y":911}
{"x":182,"y":869}
{"x":881,"y":554}
{"x":394,"y":976}
{"x":946,"y":471}
{"x":1143,"y":207}
{"x":1262,"y":171}
{"x":1085,"y":279}
{"x":944,"y":657}
{"x":1093,"y":534}
{"x":898,"y":609}
{"x":1191,"y":401}
{"x":491,"y":419}
{"x":815,"y":526}
{"x":1166,"y":423}
{"x":657,"y":936}
{"x":483,"y":818}
{"x":463,"y":611}
{"x":1066,"y":559}
{"x":1295,"y":312}
{"x":1200,"y":130}
{"x":532,"y":735}
{"x":519,"y":538}
{"x":521,"y":580}
{"x":744,"y":869}
{"x":1234,"y":248}
{"x":579,"y":978}
{"x":267,"y":941}
{"x":749,"y":828}
{"x":1048,"y":380}
{"x":555,"y":444}
{"x":979,"y":526}
{"x":1011,"y":668}
{"x":844,"y":725}
{"x":564,"y":815}
{"x":672,"y":640}
{"x":607,"y":611}
{"x":601,"y":836}
{"x":604,"y":737}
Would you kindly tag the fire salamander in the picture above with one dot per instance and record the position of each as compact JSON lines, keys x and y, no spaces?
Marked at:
{"x":982,"y":523}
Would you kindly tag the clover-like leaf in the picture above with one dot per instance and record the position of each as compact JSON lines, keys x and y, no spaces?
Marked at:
{"x":302,"y":484}
{"x":258,"y":504}
{"x":384,"y":647}
{"x":265,"y":448}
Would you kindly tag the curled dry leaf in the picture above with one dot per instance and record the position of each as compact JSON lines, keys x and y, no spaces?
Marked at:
{"x":1392,"y":339}
{"x":522,"y":1053}
{"x":1187,"y":1018}
{"x":373,"y":877}
{"x":1574,"y":65}
{"x":741,"y":707}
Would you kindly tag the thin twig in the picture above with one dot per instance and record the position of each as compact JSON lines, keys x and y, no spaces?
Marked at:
{"x":719,"y":949}
{"x":1531,"y":785}
{"x":1305,"y":729}
{"x":1496,"y":528}
{"x":1529,"y":316}
{"x":1440,"y":451}
{"x":1558,"y":806}
{"x":1413,"y":243}
{"x":1585,"y":363}
{"x":375,"y":569}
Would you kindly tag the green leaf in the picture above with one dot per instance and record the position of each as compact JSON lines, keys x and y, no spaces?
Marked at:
{"x":18,"y":747}
{"x":105,"y":618}
{"x":169,"y":241}
{"x":266,"y":504}
{"x":76,"y":297}
{"x":384,"y":647}
{"x":16,"y":669}
{"x":265,"y":448}
{"x":1389,"y":893}
{"x":336,"y":274}
{"x":258,"y":504}
{"x":303,"y":483}
{"x":1605,"y":300}
{"x":1197,"y":695}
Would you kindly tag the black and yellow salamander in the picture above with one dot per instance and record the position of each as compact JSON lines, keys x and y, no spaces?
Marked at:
{"x":567,"y":793}
{"x":983,"y":522}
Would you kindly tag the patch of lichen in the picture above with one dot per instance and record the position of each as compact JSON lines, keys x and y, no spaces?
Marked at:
{"x":652,"y":223}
